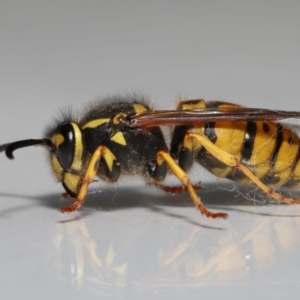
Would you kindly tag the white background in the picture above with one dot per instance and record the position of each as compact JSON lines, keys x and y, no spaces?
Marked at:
{"x":138,"y":242}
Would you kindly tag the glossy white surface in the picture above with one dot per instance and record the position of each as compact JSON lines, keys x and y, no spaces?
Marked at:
{"x":136,"y":242}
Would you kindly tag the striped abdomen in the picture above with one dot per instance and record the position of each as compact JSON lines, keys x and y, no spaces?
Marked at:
{"x":269,"y":149}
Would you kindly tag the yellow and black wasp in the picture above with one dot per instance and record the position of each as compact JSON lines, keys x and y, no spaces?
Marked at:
{"x":122,"y":135}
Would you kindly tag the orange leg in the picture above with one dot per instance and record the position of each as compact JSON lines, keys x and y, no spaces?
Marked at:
{"x":183,"y":177}
{"x":177,"y":189}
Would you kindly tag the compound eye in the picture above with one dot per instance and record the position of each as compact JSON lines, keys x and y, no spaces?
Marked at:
{"x":66,"y":149}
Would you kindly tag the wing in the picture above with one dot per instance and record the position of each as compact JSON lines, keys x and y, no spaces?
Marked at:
{"x":189,"y":117}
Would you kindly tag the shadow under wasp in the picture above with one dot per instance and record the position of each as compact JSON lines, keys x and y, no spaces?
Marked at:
{"x":122,"y":135}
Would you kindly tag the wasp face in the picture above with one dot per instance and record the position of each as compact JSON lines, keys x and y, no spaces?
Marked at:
{"x":66,"y":160}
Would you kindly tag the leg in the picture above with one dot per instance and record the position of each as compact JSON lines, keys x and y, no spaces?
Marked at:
{"x":233,"y":162}
{"x":183,"y":177}
{"x":91,"y":172}
{"x":177,"y":189}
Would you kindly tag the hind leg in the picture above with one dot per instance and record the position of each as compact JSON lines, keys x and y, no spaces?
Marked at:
{"x":233,"y":162}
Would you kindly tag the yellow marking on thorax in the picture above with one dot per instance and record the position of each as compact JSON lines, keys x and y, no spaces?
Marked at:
{"x":95,"y":123}
{"x":139,"y":108}
{"x":109,"y":159}
{"x":119,"y":138}
{"x":116,"y":119}
{"x":199,"y":105}
{"x":227,"y":105}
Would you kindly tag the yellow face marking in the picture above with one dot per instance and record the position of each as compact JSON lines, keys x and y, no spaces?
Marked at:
{"x":119,"y":138}
{"x":96,"y":123}
{"x":56,"y":167}
{"x":139,"y":108}
{"x":58,"y":139}
{"x":72,"y":181}
{"x":116,"y":119}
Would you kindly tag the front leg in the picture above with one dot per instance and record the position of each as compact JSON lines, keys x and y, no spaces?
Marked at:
{"x":113,"y":171}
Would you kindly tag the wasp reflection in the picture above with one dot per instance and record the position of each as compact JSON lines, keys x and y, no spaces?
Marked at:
{"x":183,"y":254}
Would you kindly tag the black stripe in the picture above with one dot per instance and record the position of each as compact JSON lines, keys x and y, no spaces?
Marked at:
{"x":209,"y":131}
{"x":236,"y":175}
{"x":279,"y":140}
{"x":249,"y":141}
{"x":266,"y":127}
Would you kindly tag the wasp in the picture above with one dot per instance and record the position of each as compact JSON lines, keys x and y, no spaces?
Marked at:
{"x":122,"y":135}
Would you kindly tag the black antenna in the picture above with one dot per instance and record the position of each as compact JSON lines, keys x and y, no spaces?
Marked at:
{"x":10,"y":148}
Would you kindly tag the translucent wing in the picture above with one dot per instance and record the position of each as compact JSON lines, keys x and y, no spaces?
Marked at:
{"x":189,"y":117}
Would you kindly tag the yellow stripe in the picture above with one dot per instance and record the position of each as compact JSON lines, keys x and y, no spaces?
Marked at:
{"x":230,"y":136}
{"x":95,"y":123}
{"x":109,"y":159}
{"x":117,"y":118}
{"x":264,"y":143}
{"x":56,"y":167}
{"x":139,"y":108}
{"x":119,"y":138}
{"x":197,"y":105}
{"x":288,"y":152}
